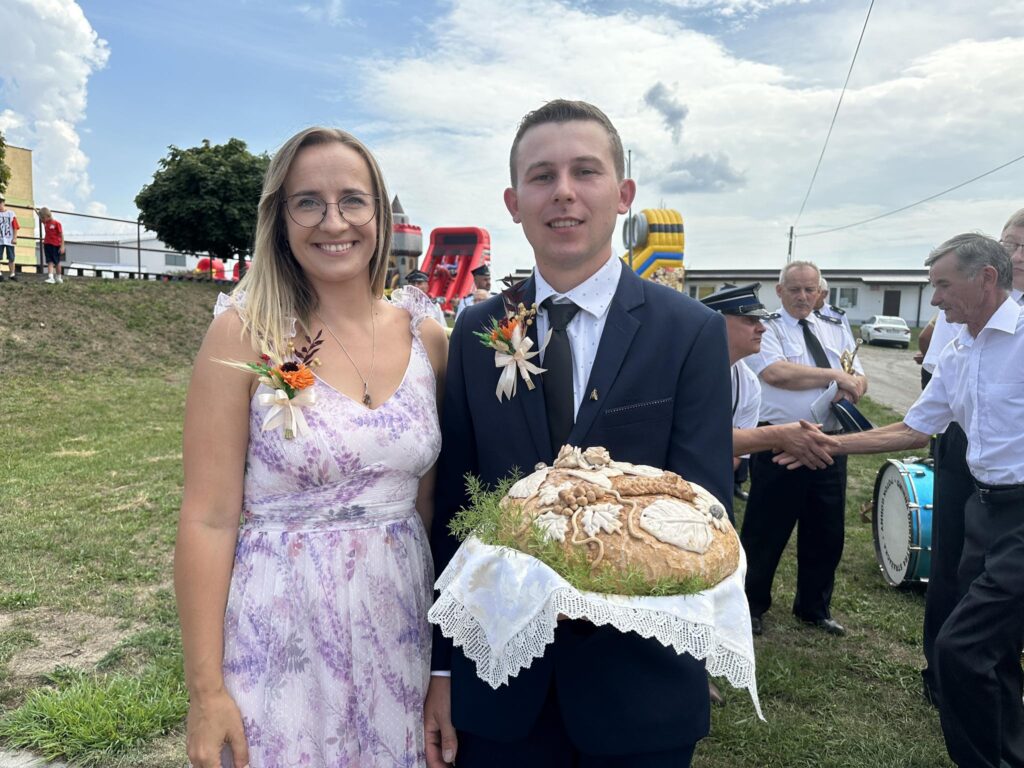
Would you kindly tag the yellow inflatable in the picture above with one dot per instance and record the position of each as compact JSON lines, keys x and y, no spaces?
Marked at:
{"x":654,"y":240}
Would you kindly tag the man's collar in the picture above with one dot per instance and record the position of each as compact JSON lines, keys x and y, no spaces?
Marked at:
{"x":594,"y":294}
{"x":1003,"y":319}
{"x":788,"y":318}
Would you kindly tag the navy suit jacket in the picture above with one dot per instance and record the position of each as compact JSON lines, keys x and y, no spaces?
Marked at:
{"x":663,"y":398}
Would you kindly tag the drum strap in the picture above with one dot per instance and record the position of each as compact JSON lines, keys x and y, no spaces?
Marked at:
{"x":735,"y":390}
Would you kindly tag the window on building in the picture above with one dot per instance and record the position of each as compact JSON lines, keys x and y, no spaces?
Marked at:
{"x":843,"y":297}
{"x":692,"y":291}
{"x":174,"y":259}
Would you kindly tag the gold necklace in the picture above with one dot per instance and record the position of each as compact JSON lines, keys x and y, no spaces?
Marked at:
{"x":373,"y":354}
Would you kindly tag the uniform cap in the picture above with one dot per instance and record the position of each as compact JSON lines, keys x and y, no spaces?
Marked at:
{"x":737,"y":300}
{"x":416,"y":277}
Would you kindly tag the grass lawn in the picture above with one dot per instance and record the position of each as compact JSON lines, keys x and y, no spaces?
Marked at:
{"x":90,"y":483}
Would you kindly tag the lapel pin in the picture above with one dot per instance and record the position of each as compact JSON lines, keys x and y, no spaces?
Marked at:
{"x":593,"y":395}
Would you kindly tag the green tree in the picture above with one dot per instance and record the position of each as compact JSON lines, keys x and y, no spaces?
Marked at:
{"x":5,"y":171}
{"x":204,"y":198}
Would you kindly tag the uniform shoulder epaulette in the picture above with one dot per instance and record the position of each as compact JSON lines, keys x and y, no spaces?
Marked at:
{"x":827,"y":319}
{"x":836,"y":309}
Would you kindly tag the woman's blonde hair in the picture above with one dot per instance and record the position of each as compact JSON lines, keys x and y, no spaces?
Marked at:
{"x":276,"y":289}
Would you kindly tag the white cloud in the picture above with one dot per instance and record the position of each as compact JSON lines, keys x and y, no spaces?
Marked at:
{"x":329,"y":12}
{"x":917,"y":118}
{"x":731,"y":8}
{"x":49,"y":54}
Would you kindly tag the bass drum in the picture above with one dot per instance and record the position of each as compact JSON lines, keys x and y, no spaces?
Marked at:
{"x":902,"y":523}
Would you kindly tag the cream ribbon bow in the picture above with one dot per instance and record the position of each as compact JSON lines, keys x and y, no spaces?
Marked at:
{"x":518,"y":361}
{"x":287,"y":411}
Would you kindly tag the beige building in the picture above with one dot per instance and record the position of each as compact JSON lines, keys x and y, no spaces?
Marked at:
{"x":19,"y":199}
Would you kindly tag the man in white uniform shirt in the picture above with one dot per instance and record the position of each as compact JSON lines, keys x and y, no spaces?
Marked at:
{"x":743,"y":313}
{"x":979,"y":382}
{"x":799,"y":359}
{"x":823,"y":309}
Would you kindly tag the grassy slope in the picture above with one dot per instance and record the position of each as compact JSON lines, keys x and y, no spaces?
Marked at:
{"x":90,"y":481}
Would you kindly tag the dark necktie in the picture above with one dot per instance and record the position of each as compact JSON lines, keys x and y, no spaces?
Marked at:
{"x":558,"y":389}
{"x":814,"y":346}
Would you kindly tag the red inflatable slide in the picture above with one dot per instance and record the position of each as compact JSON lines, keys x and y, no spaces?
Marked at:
{"x":453,"y":253}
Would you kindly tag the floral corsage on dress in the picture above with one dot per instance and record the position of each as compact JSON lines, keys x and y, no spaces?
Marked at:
{"x":291,"y":383}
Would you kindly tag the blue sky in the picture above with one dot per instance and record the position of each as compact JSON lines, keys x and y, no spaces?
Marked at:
{"x":725,"y":104}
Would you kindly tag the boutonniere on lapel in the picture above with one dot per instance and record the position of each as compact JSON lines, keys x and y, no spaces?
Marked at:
{"x":513,"y":348}
{"x":290,"y":383}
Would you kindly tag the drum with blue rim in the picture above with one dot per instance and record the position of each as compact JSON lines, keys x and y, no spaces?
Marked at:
{"x":903,"y":521}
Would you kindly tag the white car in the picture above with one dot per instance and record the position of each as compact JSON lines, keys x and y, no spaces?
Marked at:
{"x":882,"y":328}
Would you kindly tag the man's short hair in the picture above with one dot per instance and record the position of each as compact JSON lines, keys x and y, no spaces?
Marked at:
{"x":564,"y":111}
{"x":822,"y":283}
{"x":973,"y":253}
{"x":1017,"y":220}
{"x":797,"y":265}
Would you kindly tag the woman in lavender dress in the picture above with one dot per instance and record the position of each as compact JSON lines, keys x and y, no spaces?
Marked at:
{"x":304,"y":628}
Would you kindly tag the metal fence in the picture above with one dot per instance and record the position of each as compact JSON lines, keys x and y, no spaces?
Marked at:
{"x":117,"y":255}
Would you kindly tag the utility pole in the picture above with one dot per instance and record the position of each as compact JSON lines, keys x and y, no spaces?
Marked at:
{"x":789,"y":254}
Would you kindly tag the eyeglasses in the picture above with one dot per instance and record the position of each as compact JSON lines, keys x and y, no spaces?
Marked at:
{"x":310,"y":211}
{"x":1011,"y":247}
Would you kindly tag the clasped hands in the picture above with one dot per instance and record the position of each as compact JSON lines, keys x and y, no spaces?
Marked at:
{"x":805,"y":444}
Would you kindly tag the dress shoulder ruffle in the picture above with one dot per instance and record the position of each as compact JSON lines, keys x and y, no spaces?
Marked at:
{"x":418,"y":305}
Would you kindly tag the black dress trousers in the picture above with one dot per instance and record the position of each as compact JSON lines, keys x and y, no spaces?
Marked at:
{"x":780,"y":499}
{"x":953,"y":486}
{"x":978,"y":650}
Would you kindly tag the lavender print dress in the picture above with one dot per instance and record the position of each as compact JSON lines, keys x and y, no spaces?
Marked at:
{"x":326,"y":642}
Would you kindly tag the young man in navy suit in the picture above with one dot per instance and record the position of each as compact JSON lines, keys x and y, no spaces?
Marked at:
{"x":632,"y":366}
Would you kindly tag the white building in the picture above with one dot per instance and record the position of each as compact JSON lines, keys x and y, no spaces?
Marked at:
{"x":862,"y":293}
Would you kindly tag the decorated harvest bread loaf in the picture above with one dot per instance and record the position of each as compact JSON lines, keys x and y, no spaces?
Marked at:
{"x":626,"y":516}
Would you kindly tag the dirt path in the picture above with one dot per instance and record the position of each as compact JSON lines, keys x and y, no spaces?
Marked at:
{"x":25,"y":760}
{"x":894,"y":379}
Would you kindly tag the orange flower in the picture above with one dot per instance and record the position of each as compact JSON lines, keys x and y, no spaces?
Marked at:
{"x":507,"y":328}
{"x":296,"y":375}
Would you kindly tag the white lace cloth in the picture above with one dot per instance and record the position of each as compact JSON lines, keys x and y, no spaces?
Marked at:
{"x":501,"y":607}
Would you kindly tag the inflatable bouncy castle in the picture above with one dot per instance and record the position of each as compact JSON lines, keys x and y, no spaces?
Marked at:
{"x":453,"y":254}
{"x":654,"y":240}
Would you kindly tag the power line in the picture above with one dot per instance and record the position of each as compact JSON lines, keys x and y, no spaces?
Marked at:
{"x":919,"y":202}
{"x":834,"y":115}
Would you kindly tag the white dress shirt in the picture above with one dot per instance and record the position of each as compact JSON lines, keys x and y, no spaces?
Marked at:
{"x":979,"y":383}
{"x":593,"y":296}
{"x":783,"y":341}
{"x":746,"y":398}
{"x":943,"y":333}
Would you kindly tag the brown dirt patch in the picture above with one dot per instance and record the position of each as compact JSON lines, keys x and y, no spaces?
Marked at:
{"x":74,"y":639}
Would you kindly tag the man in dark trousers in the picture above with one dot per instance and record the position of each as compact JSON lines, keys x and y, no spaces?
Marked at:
{"x":632,"y":366}
{"x":978,"y":383}
{"x":801,"y":355}
{"x":953,"y":486}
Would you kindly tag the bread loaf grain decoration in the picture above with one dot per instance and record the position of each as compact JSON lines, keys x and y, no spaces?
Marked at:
{"x":626,"y":516}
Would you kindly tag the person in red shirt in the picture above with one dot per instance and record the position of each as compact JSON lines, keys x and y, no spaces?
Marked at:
{"x":53,"y":245}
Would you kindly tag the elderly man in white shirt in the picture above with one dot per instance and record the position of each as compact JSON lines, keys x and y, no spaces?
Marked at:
{"x":978,"y":382}
{"x":800,"y":358}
